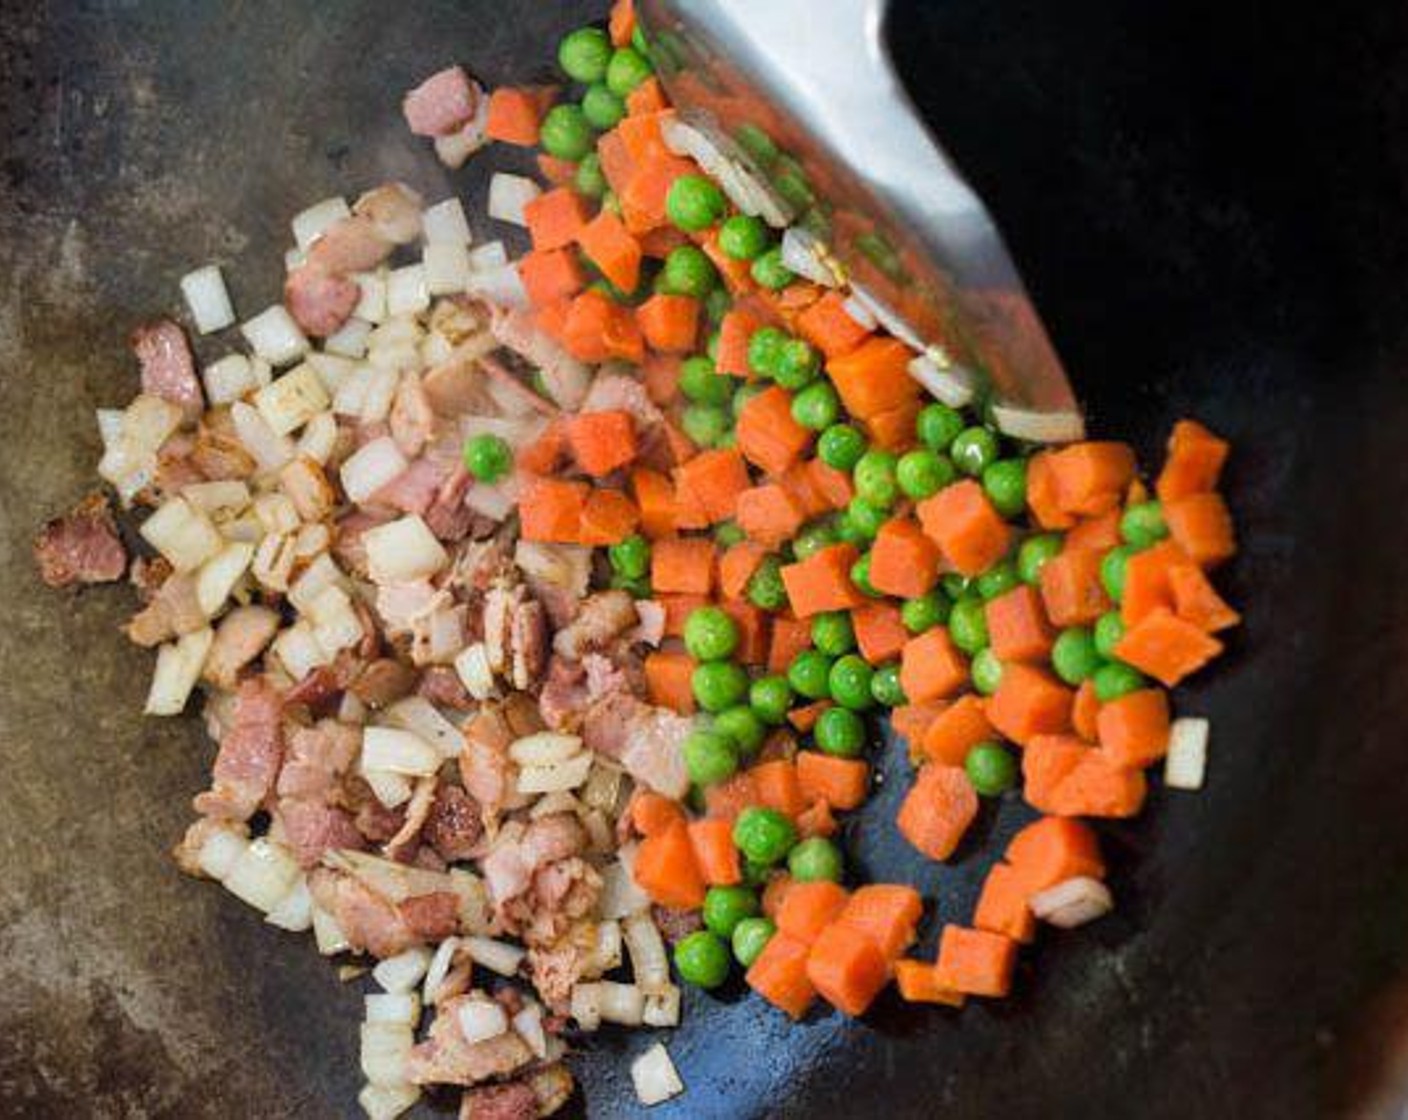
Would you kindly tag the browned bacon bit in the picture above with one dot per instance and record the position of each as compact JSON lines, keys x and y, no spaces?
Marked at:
{"x":168,"y":368}
{"x":441,"y":104}
{"x":250,"y":754}
{"x":446,"y":1058}
{"x":454,"y":827}
{"x":515,"y":1100}
{"x":320,"y":301}
{"x":82,"y":546}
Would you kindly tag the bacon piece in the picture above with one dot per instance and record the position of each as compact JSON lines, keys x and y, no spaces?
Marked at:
{"x":168,"y":368}
{"x":446,"y":1058}
{"x":316,"y":759}
{"x":441,"y":104}
{"x":454,"y":826}
{"x":320,"y":301}
{"x":250,"y":754}
{"x":349,"y":245}
{"x":311,"y":828}
{"x":82,"y":546}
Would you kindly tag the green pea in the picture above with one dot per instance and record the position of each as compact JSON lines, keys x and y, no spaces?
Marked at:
{"x":727,"y":441}
{"x":631,"y":557}
{"x":808,"y":674}
{"x":702,"y":960}
{"x":743,"y":394}
{"x":797,"y":364}
{"x":938,"y":426}
{"x":626,"y":70}
{"x":728,"y":534}
{"x":841,"y":446}
{"x":638,"y":41}
{"x":764,"y":349}
{"x":847,"y":532}
{"x":817,"y":406}
{"x":711,"y":347}
{"x":1074,"y":656}
{"x":701,"y":383}
{"x":487,"y":457}
{"x":718,"y":685}
{"x":839,"y":732}
{"x":763,"y":835}
{"x":637,"y":586}
{"x":815,"y":860}
{"x":765,"y":587}
{"x":602,"y":108}
{"x":750,"y":938}
{"x":886,"y":688}
{"x":998,"y":580}
{"x":725,"y":907}
{"x":1005,"y":483}
{"x":688,"y":271}
{"x":709,"y":757}
{"x":769,"y":272}
{"x":710,"y":634}
{"x":968,"y":624}
{"x":695,"y":203}
{"x":1109,"y":629}
{"x":1116,"y":679}
{"x":705,"y":424}
{"x":584,"y":54}
{"x":743,"y":237}
{"x":833,"y":633}
{"x":1143,"y":525}
{"x":756,"y":875}
{"x":925,"y":612}
{"x":565,"y":133}
{"x":1112,"y":571}
{"x":1033,"y":554}
{"x":717,"y":304}
{"x":954,"y":585}
{"x":609,"y":202}
{"x":849,"y":683}
{"x":589,"y":179}
{"x":865,"y":518}
{"x":991,"y":768}
{"x":771,"y":697}
{"x":812,"y":538}
{"x":860,"y":576}
{"x":743,"y":726}
{"x":757,"y":144}
{"x":875,"y":480}
{"x":923,"y":473}
{"x":987,"y":671}
{"x":973,"y":449}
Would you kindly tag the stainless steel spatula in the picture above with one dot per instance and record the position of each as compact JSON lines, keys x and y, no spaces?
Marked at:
{"x":796,"y":107}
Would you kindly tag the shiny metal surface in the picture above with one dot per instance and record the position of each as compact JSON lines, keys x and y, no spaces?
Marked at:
{"x":859,"y":169}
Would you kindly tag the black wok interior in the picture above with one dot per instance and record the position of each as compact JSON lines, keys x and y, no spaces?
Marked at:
{"x":1208,"y":203}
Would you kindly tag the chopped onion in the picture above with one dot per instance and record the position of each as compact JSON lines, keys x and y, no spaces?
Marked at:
{"x":294,"y":259}
{"x":350,"y":709}
{"x":298,"y":650}
{"x":349,"y":340}
{"x":859,"y":313}
{"x":310,"y":224}
{"x":1038,"y":427}
{"x":419,"y":715}
{"x":1186,"y":765}
{"x":270,"y":450}
{"x":662,"y":1008}
{"x":620,"y":896}
{"x":475,"y":912}
{"x":508,"y":194}
{"x":385,"y":1047}
{"x":481,"y":1019}
{"x":386,"y":1102}
{"x":496,"y":956}
{"x":395,"y":751}
{"x":887,"y":317}
{"x":402,"y":972}
{"x":554,"y":777}
{"x":622,"y":1003}
{"x":560,"y":801}
{"x":472,"y":667}
{"x":1073,"y":902}
{"x":218,"y":499}
{"x":489,"y":256}
{"x":109,"y":426}
{"x":393,"y":1007}
{"x":603,"y":788}
{"x":373,"y":465}
{"x":601,"y":836}
{"x":178,"y":666}
{"x":529,"y":1025}
{"x":801,"y":253}
{"x":319,"y":438}
{"x":219,"y":576}
{"x":332,"y":369}
{"x":438,"y":969}
{"x":292,"y":400}
{"x":445,"y":223}
{"x":351,"y":395}
{"x":276,"y":513}
{"x":182,"y":534}
{"x":655,"y":1077}
{"x":586,"y":1005}
{"x":222,"y":848}
{"x":274,"y":336}
{"x":320,"y":574}
{"x":328,"y":934}
{"x":494,"y":502}
{"x":336,"y":625}
{"x":649,"y":963}
{"x":208,"y":300}
{"x":372,"y":304}
{"x":543,"y":748}
{"x":951,"y":384}
{"x":263,"y":875}
{"x":446,"y":267}
{"x":391,"y":790}
{"x":502,"y":286}
{"x":606,"y":953}
{"x":294,"y":911}
{"x":407,"y":292}
{"x":403,"y":550}
{"x":310,"y":540}
{"x":381,"y":389}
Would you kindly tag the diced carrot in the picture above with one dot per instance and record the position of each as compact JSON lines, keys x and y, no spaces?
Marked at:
{"x":514,"y":116}
{"x":775,"y":892}
{"x":725,"y":800}
{"x":1071,"y":590}
{"x":1053,"y":849}
{"x":957,"y":730}
{"x":616,"y":162}
{"x":738,"y":282}
{"x":1085,"y":711}
{"x":893,"y":429}
{"x":551,"y":511}
{"x":555,"y":218}
{"x":887,"y":914}
{"x":931,"y":668}
{"x":777,"y":786}
{"x":915,"y":980}
{"x":804,"y":718}
{"x":1017,"y":626}
{"x":666,"y":869}
{"x":767,"y":434}
{"x":622,"y":24}
{"x":1133,"y":729}
{"x":790,"y":636}
{"x":912,"y":721}
{"x":1167,"y":647}
{"x":712,"y":481}
{"x":1042,"y":498}
{"x":1100,"y":534}
{"x":1202,"y":526}
{"x":1091,"y":477}
{"x":847,"y":971}
{"x":609,"y":517}
{"x":550,"y":276}
{"x":800,"y":485}
{"x":779,"y":975}
{"x":661,"y":376}
{"x":685,"y":565}
{"x":653,"y":812}
{"x":558,"y":172}
{"x":610,"y":246}
{"x":832,"y":486}
{"x":1147,"y":583}
{"x":1136,"y":493}
{"x":769,"y":515}
{"x":661,"y":241}
{"x":938,"y":810}
{"x":1196,"y":601}
{"x":1002,"y":907}
{"x":822,"y":582}
{"x":841,"y":782}
{"x":903,"y":560}
{"x":1195,"y":459}
{"x":669,"y":680}
{"x":598,"y":329}
{"x":669,"y":322}
{"x":715,"y":853}
{"x":551,"y":317}
{"x":543,"y":454}
{"x":975,"y":962}
{"x":880,"y":632}
{"x":736,"y":568}
{"x":648,"y":97}
{"x":643,"y":135}
{"x":735,"y":330}
{"x":1066,"y":777}
{"x":655,"y":497}
{"x":808,"y":908}
{"x":963,"y":523}
{"x":874,"y":377}
{"x":753,"y":630}
{"x":602,"y":441}
{"x":816,"y":819}
{"x":829,"y":327}
{"x":1029,"y":702}
{"x":678,"y":608}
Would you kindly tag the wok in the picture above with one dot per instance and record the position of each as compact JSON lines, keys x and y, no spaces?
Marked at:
{"x":1208,"y":205}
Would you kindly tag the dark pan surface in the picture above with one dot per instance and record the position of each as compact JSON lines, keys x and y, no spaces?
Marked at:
{"x":1208,"y":205}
